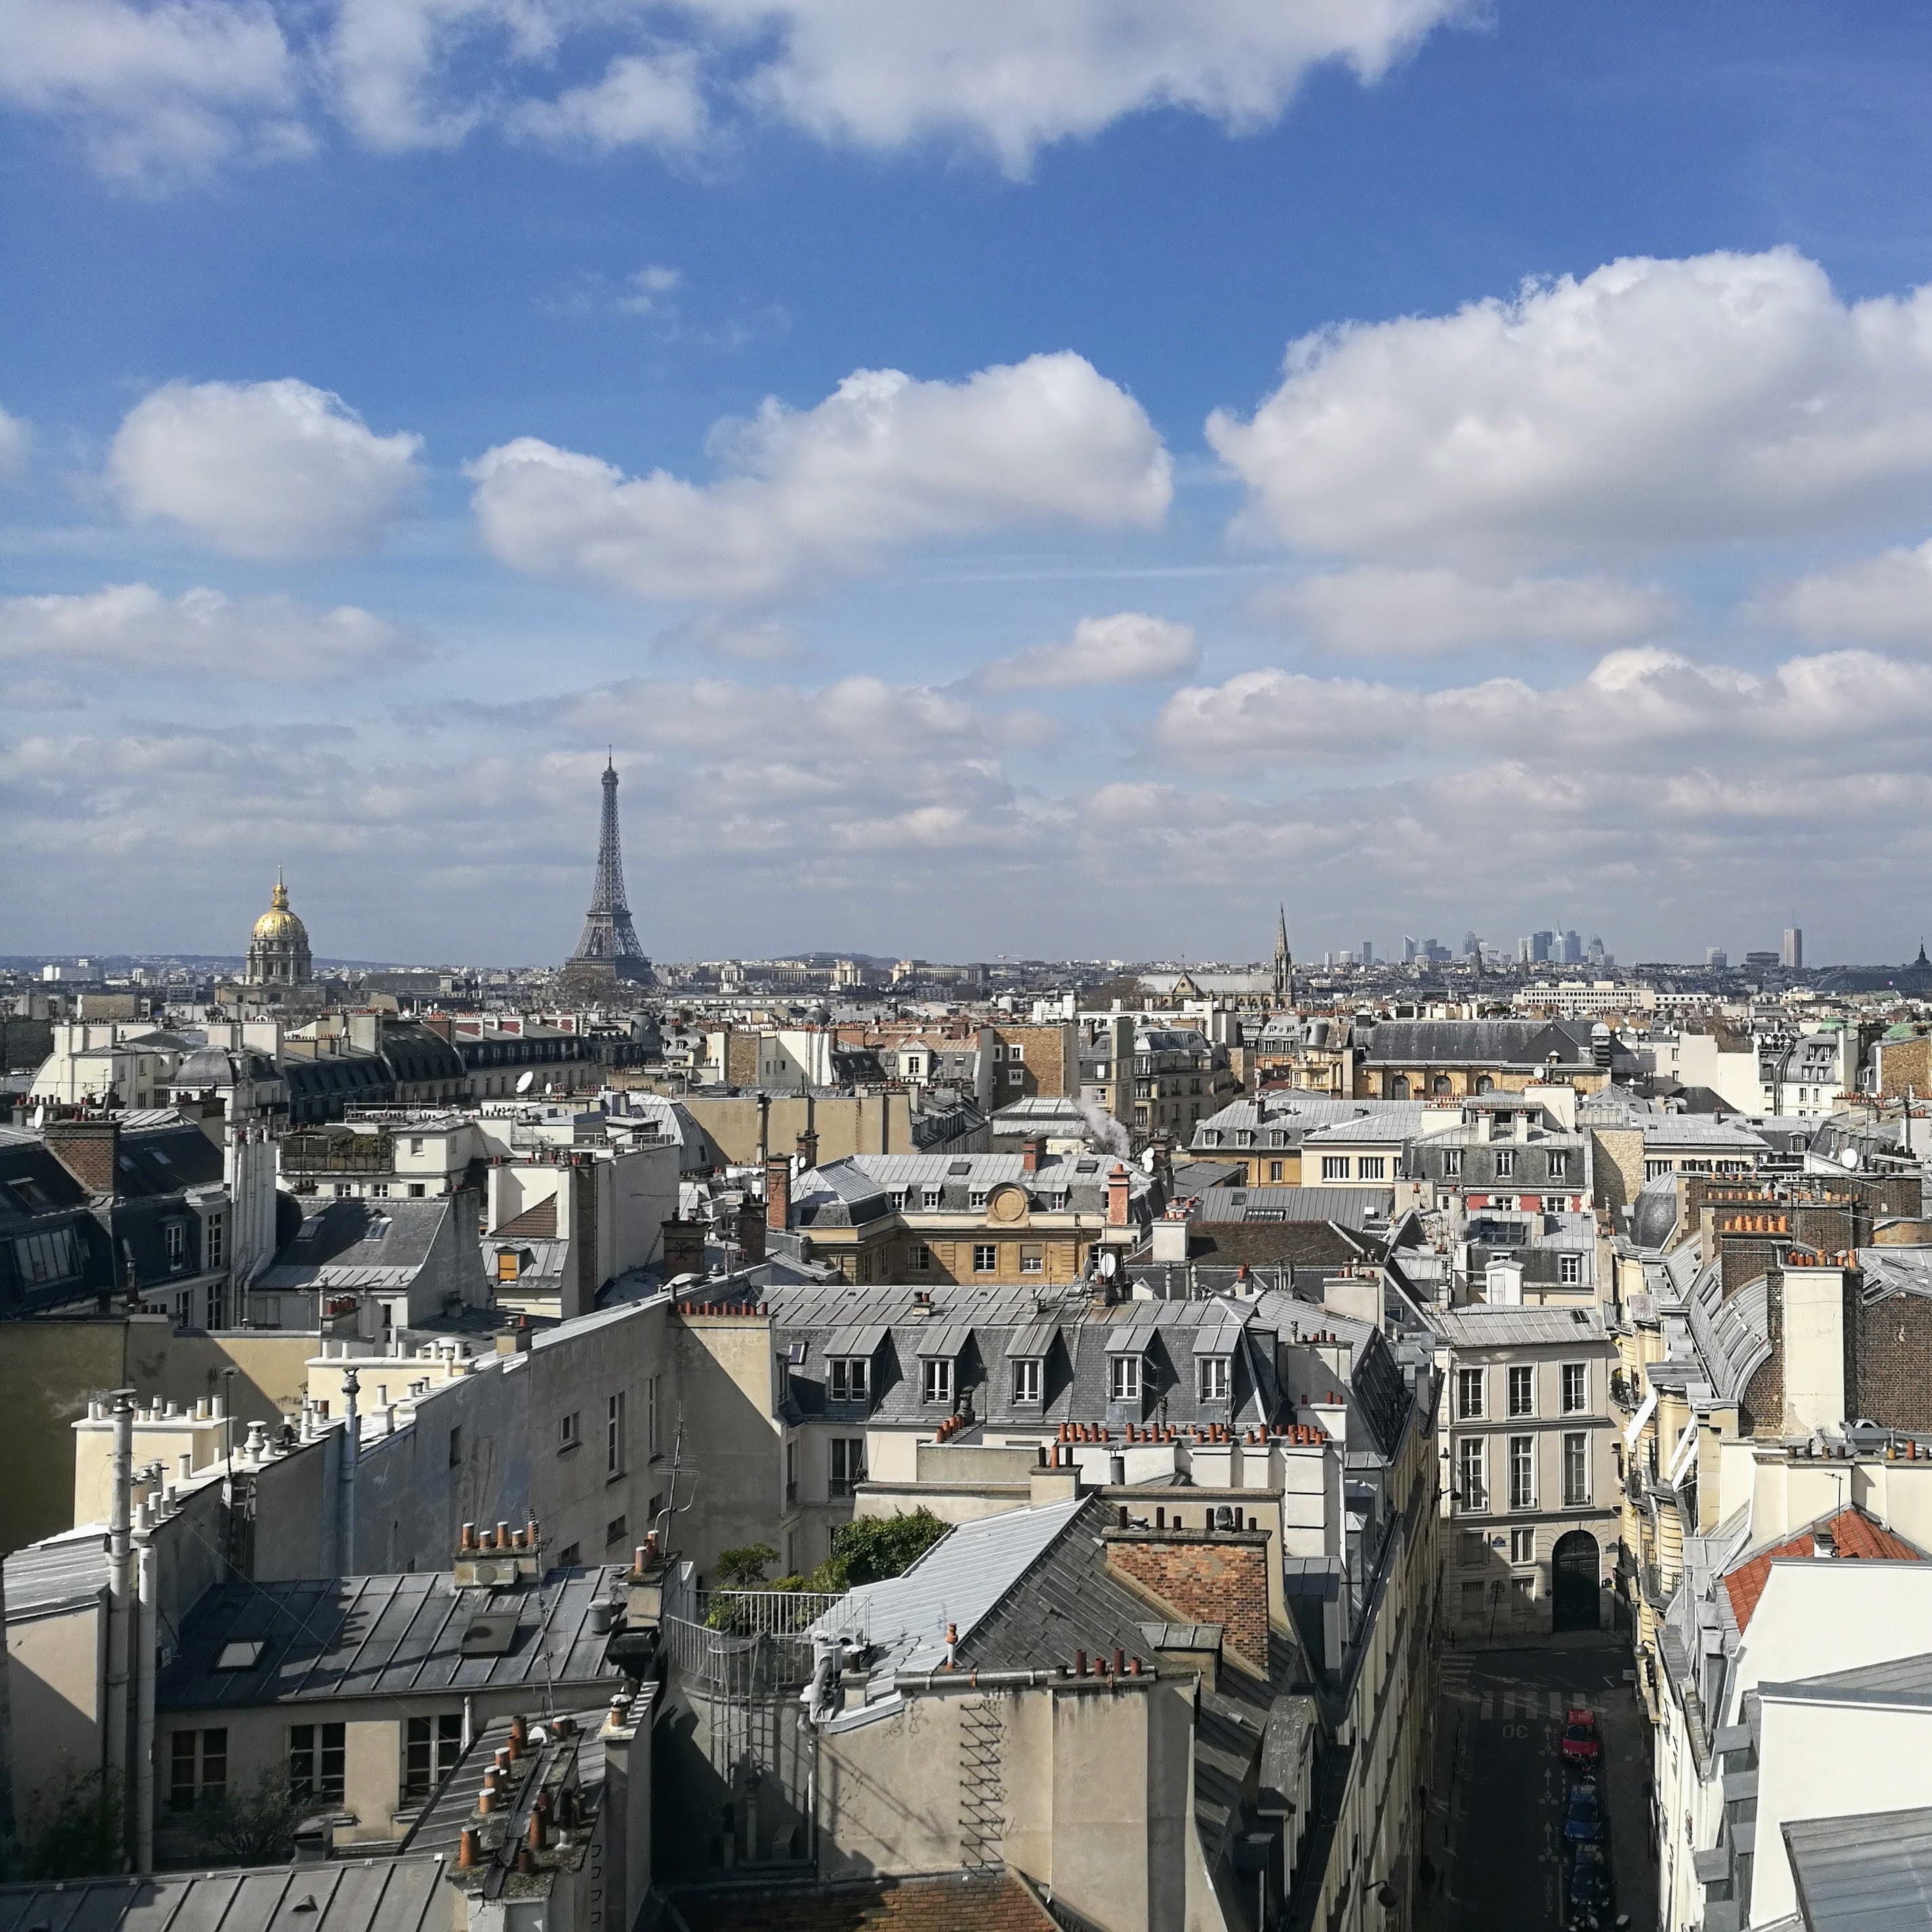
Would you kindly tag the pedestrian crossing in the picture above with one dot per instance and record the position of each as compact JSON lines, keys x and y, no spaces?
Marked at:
{"x":1506,"y":1706}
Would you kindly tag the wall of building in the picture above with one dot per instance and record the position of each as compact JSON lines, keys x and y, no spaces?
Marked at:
{"x":845,"y":1124}
{"x":733,"y":1450}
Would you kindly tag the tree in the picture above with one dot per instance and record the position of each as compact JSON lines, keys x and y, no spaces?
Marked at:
{"x":744,"y":1569}
{"x":257,"y":1825}
{"x":74,"y":1827}
{"x":872,"y":1548}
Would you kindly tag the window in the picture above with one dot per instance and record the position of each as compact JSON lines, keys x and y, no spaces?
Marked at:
{"x":1334,"y":1167}
{"x":654,"y":1417}
{"x":1522,"y":1471}
{"x":851,"y":1378}
{"x":1522,"y":1391}
{"x":613,"y":1434}
{"x":1214,"y":1378}
{"x":1555,"y":1204}
{"x":315,"y":1761}
{"x":1468,"y":1393}
{"x":415,"y":1144}
{"x":1452,"y":1163}
{"x":1472,"y":1600}
{"x":928,"y":1199}
{"x":976,"y":1197}
{"x":456,"y":1448}
{"x":1652,"y":1169}
{"x":1559,"y":1164}
{"x":212,"y":1231}
{"x":569,"y":1555}
{"x":1274,"y":1170}
{"x":935,"y":1379}
{"x":1371,"y":1167}
{"x":1033,"y":1259}
{"x":986,"y":1258}
{"x":380,"y":1189}
{"x":1244,"y":1137}
{"x":569,"y":1435}
{"x":1576,"y":1387}
{"x":1472,"y":1473}
{"x":1570,"y":1270}
{"x":175,"y":1233}
{"x":848,"y":1464}
{"x":1505,"y":1162}
{"x":1026,"y":1381}
{"x":507,"y":1263}
{"x":197,"y":1768}
{"x":50,"y":1257}
{"x":434,"y":1745}
{"x":1576,"y":1470}
{"x":1522,"y":1546}
{"x":1124,"y":1378}
{"x":343,"y":1189}
{"x":617,"y":1530}
{"x":1015,"y":1075}
{"x":417,"y":1190}
{"x":919,"y":1258}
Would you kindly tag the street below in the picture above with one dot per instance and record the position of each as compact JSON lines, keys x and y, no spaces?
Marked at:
{"x":1496,"y":1810}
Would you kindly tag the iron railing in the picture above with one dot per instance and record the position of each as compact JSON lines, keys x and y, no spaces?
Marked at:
{"x":720,"y":1663}
{"x":764,"y":1612}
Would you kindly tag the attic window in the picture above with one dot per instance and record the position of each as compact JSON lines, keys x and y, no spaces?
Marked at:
{"x":241,"y":1653}
{"x":28,"y":1192}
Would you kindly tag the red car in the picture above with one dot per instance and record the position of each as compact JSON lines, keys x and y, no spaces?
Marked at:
{"x":1581,"y":1743}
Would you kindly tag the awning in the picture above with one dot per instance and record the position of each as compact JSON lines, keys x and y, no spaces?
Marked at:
{"x":1634,"y":1427}
{"x":1682,"y":1455}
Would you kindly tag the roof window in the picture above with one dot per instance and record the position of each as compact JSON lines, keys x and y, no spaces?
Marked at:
{"x":240,"y":1653}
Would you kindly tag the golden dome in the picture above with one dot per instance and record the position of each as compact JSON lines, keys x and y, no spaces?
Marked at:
{"x":278,"y":922}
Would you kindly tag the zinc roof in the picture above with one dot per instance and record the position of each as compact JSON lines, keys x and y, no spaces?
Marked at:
{"x":1863,"y":1874}
{"x":380,"y":1894}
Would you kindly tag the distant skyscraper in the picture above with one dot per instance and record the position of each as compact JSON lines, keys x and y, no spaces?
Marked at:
{"x":1472,"y":946}
{"x":1409,"y":950}
{"x":1572,"y":952}
{"x":1366,"y":955}
{"x":1716,"y":956}
{"x":609,"y":942}
{"x":1595,"y":952}
{"x":1542,"y":947}
{"x":1793,"y":952}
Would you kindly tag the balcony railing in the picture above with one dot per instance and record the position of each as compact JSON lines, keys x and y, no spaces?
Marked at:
{"x":764,"y":1612}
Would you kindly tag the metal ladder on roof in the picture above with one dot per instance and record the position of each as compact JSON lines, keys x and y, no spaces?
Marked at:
{"x":983,"y":1820}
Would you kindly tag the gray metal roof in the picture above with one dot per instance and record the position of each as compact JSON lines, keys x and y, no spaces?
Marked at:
{"x":1863,"y":1874}
{"x":58,"y":1574}
{"x":1502,"y":1327}
{"x":377,"y":1637}
{"x":1351,"y":1206}
{"x":359,"y":1243}
{"x":381,"y":1895}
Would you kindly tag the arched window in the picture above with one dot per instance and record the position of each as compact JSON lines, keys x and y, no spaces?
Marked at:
{"x":1440,"y":1084}
{"x":1399,"y":1087}
{"x":1484,"y":1085}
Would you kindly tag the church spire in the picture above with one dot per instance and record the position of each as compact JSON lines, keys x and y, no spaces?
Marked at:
{"x":1284,"y":963}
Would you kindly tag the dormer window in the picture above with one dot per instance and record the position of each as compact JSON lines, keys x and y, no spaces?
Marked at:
{"x":936,"y":1379}
{"x":1505,"y":1163}
{"x":1214,"y":1378}
{"x":928,"y":1199}
{"x":1245,"y":1137}
{"x":850,"y":1379}
{"x":1210,"y":1136}
{"x":1124,"y":1378}
{"x":976,"y":1197}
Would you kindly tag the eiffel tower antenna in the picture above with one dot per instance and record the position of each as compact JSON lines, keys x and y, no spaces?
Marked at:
{"x":609,"y":940}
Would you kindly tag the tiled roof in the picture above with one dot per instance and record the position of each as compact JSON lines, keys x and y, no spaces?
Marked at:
{"x":537,"y":1222}
{"x":1854,"y":1534}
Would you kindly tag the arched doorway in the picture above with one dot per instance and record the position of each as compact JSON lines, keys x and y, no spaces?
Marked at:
{"x":1484,"y":1085}
{"x":1399,"y":1087}
{"x":1573,"y":1573}
{"x":1440,"y":1084}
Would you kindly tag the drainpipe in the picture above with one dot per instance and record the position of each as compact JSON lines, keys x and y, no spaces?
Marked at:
{"x":351,"y":1448}
{"x":120,"y":1607}
{"x":147,"y":1648}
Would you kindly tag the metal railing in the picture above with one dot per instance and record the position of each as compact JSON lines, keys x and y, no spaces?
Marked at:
{"x":764,"y":1612}
{"x":721,"y":1663}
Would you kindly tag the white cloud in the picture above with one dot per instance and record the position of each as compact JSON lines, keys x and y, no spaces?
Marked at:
{"x":1883,"y":599}
{"x":1013,"y":76}
{"x":157,"y":91}
{"x":642,"y":99}
{"x":811,"y":495}
{"x":1380,"y":610}
{"x":1650,"y":406}
{"x":263,"y":469}
{"x":1127,"y":648}
{"x":1643,"y":705}
{"x":16,"y":439}
{"x":649,"y":291}
{"x":131,"y":628}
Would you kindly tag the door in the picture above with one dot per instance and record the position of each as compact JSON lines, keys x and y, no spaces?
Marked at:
{"x":1573,"y":1580}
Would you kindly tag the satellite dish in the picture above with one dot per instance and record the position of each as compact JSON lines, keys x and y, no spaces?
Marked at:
{"x":1110,"y":1263}
{"x":1849,"y":1156}
{"x":525,"y":1081}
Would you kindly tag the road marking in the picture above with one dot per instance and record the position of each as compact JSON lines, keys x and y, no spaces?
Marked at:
{"x":1487,"y":1709}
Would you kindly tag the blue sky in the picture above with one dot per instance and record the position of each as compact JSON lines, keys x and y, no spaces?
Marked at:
{"x":1569,"y":573}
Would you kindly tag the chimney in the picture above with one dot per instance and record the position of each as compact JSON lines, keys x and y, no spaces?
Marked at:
{"x":1033,"y":1150}
{"x":1823,"y":1543}
{"x":90,"y":1151}
{"x":1163,"y":1163}
{"x":808,"y":1149}
{"x":1203,"y":1577}
{"x":778,"y":1193}
{"x":751,"y":1233}
{"x":1118,"y":1190}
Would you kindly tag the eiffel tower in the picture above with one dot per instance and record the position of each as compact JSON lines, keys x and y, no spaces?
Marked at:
{"x":609,"y":943}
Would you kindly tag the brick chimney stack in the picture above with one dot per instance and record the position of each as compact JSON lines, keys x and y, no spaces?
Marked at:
{"x":778,"y":1193}
{"x":90,"y":1151}
{"x":1032,"y":1151}
{"x":1203,"y":1576}
{"x":808,"y":1150}
{"x":1119,"y":1191}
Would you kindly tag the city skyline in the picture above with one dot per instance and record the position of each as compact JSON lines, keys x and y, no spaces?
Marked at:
{"x":458,"y":418}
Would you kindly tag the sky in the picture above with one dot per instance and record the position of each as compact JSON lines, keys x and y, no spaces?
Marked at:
{"x":999,"y":480}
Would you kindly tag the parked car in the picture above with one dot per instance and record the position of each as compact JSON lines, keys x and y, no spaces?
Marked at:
{"x":1583,"y":1816}
{"x":1588,"y":1893}
{"x":1580,"y":1745}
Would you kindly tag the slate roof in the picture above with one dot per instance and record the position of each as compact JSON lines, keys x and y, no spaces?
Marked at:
{"x":380,"y":1894}
{"x":358,"y":1244}
{"x":1524,"y":1043}
{"x":851,"y":1191}
{"x":1352,"y":1206}
{"x":1856,"y":1535}
{"x":1863,"y":1874}
{"x":1476,"y":1327}
{"x":977,"y":1327}
{"x":329,"y":1638}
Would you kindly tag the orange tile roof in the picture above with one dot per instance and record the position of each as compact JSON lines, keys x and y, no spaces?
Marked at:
{"x":1856,"y":1534}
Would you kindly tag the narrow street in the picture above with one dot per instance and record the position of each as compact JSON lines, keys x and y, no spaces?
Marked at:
{"x":1497,"y":1805}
